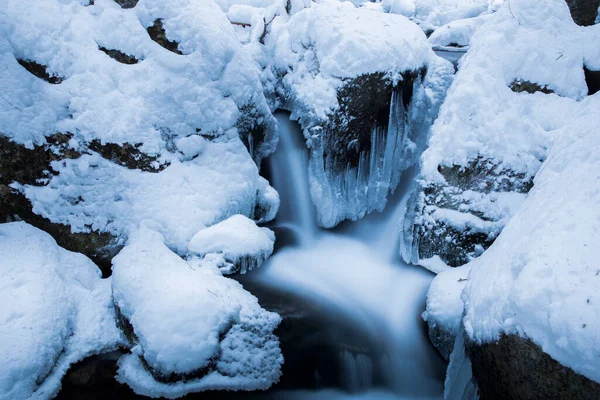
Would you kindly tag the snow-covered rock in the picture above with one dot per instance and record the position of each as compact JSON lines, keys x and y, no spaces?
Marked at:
{"x":492,"y":133}
{"x":431,"y":14}
{"x":445,"y":308}
{"x":191,"y":329}
{"x":540,"y":279}
{"x":457,"y":34}
{"x":56,"y":310}
{"x":243,"y":245}
{"x":129,"y":108}
{"x":365,"y":86}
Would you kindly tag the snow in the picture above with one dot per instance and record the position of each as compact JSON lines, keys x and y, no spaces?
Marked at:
{"x":117,"y":103}
{"x":483,"y":120}
{"x":187,"y":318}
{"x":457,"y":33}
{"x":207,"y":190}
{"x":241,"y":243}
{"x":56,"y":310}
{"x":162,"y":103}
{"x":540,"y":278}
{"x":320,"y":46}
{"x":444,"y":305}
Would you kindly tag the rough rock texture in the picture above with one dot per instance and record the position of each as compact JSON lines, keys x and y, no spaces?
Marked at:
{"x":519,"y":86}
{"x":432,"y":235}
{"x":516,"y":368}
{"x":119,"y":56}
{"x":127,"y":3}
{"x":40,"y":71}
{"x":592,"y":78}
{"x":22,"y":165}
{"x":158,"y":34}
{"x":584,"y":12}
{"x":441,"y":339}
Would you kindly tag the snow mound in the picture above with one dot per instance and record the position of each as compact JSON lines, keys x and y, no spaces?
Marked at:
{"x":241,"y":243}
{"x":56,"y":310}
{"x":91,"y":193}
{"x":541,"y":278}
{"x":188,"y":100}
{"x":525,"y":70}
{"x":431,"y":14}
{"x":457,"y":34}
{"x":322,"y":45}
{"x":163,"y":95}
{"x":192,"y":329}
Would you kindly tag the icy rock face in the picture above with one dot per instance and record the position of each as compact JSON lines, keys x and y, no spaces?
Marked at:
{"x":492,"y":133}
{"x":242,"y":245}
{"x":55,"y":311}
{"x":365,"y":96}
{"x":125,"y":121}
{"x":190,"y":328}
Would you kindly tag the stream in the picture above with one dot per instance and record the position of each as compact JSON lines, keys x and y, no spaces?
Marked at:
{"x":351,"y":308}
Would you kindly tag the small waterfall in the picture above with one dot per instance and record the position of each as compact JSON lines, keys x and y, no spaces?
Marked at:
{"x":353,"y":272}
{"x":289,"y":174}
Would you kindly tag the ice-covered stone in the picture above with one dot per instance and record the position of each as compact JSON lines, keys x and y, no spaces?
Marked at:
{"x":365,"y":96}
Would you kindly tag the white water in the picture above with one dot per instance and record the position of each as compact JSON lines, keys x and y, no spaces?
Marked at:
{"x":354,"y":270}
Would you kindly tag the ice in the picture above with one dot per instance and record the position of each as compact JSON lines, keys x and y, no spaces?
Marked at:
{"x":56,"y":310}
{"x":193,"y":329}
{"x":319,"y":51}
{"x":540,"y":278}
{"x":243,"y":245}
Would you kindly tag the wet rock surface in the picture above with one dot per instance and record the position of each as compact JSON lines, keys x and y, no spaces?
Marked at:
{"x":584,"y":12}
{"x":516,"y":368}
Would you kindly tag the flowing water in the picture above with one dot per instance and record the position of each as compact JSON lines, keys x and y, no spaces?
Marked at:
{"x":353,"y":328}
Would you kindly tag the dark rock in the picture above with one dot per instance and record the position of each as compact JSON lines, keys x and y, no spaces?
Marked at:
{"x":29,"y":166}
{"x":364,"y":104}
{"x":158,"y":34}
{"x":584,"y":12}
{"x":127,"y":3}
{"x":519,"y":86}
{"x":256,"y":131}
{"x":429,"y":237}
{"x":441,"y":339}
{"x":41,"y":71}
{"x":127,"y":155}
{"x":592,"y":79}
{"x":100,"y":247}
{"x":119,"y":56}
{"x":518,"y":369}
